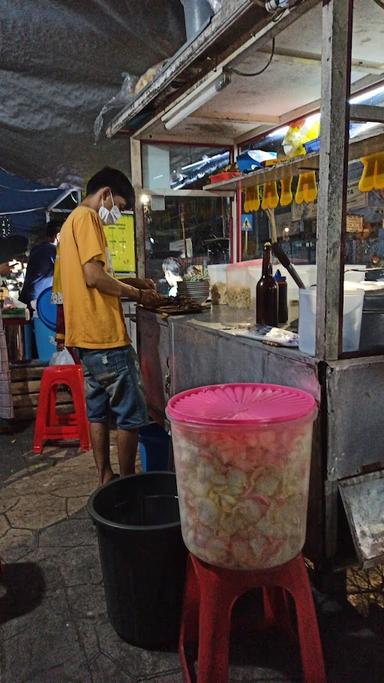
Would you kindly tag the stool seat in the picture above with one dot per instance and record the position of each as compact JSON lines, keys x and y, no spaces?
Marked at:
{"x":210,"y":593}
{"x":53,"y":427}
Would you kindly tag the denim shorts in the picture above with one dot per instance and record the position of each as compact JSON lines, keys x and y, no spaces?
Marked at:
{"x":113,"y":387}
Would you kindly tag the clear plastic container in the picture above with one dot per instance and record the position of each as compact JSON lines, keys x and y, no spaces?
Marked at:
{"x":353,"y":309}
{"x":242,"y":458}
{"x":238,"y":285}
{"x":254,"y":274}
{"x":218,"y":282}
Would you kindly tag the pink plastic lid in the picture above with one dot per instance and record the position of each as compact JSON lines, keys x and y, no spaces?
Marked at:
{"x":236,"y":404}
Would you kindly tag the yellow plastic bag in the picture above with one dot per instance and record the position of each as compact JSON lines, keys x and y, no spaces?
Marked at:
{"x":372,"y":177}
{"x":270,"y":195}
{"x":286,"y":191}
{"x":306,"y":188}
{"x":252,"y":199}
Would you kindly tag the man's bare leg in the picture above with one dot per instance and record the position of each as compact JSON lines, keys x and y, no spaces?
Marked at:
{"x":126,"y":450}
{"x":100,"y":445}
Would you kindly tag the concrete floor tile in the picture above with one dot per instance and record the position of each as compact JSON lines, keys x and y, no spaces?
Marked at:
{"x":4,"y":525}
{"x":75,"y":533}
{"x":103,"y":671}
{"x":74,"y":489}
{"x":82,"y":513}
{"x":87,"y":602}
{"x":8,"y":499}
{"x":135,"y":662}
{"x":65,"y":672}
{"x":77,"y":504}
{"x":48,"y":643}
{"x":36,"y":511}
{"x":88,"y":639}
{"x":80,"y":565}
{"x":164,"y":678}
{"x":16,"y":544}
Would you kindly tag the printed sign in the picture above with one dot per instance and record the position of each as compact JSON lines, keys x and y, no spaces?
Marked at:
{"x":121,"y":243}
{"x":354,"y":223}
{"x":355,"y":198}
{"x":246,"y":222}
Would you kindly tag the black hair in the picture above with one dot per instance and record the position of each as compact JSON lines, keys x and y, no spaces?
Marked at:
{"x":116,"y":180}
{"x":52,"y":229}
{"x":173,"y":265}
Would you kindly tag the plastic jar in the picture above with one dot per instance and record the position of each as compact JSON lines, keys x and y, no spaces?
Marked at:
{"x":242,"y":457}
{"x":238,"y":285}
{"x":218,"y":283}
{"x":352,"y":314}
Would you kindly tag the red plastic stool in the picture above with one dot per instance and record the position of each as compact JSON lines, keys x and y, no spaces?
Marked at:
{"x":210,"y":594}
{"x":51,"y":426}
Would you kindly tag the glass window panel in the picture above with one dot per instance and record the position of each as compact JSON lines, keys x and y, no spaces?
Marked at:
{"x":181,"y":167}
{"x":192,"y":230}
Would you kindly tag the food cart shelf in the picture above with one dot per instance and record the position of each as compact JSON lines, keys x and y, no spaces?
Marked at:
{"x":358,"y":148}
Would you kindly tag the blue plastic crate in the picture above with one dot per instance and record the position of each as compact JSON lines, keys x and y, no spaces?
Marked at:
{"x":312,"y":146}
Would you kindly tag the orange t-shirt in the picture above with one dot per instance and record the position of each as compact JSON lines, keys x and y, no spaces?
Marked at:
{"x":93,"y":320}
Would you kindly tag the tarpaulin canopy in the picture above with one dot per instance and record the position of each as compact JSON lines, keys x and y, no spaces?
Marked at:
{"x":61,"y":61}
{"x":23,"y":203}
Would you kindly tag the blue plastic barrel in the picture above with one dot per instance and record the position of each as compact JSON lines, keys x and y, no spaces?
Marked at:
{"x":45,"y":340}
{"x":27,"y":333}
{"x":153,"y":448}
{"x":45,"y":325}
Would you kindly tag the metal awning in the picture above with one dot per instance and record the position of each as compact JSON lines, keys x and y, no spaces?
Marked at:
{"x":247,"y":107}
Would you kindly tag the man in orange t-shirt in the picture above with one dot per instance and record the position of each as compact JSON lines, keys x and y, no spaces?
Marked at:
{"x":94,"y":321}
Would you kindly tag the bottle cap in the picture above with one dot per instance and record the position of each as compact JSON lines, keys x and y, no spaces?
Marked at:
{"x":279,"y":277}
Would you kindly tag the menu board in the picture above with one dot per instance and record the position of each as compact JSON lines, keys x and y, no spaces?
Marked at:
{"x":121,"y":243}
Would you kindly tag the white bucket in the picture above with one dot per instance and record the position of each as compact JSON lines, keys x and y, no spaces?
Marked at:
{"x":353,"y":308}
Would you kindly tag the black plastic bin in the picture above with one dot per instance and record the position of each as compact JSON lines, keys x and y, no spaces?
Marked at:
{"x":142,"y":556}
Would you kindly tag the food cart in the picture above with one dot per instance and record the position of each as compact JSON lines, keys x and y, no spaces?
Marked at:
{"x":248,"y":74}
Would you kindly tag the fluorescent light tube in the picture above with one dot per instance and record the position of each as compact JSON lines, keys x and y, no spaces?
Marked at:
{"x":279,"y":132}
{"x":194,"y":101}
{"x":363,"y":97}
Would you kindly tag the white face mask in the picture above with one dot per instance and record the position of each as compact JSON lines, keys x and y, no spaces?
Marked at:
{"x":109,"y":216}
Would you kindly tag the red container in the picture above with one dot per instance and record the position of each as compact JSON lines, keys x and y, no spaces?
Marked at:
{"x":224,"y":175}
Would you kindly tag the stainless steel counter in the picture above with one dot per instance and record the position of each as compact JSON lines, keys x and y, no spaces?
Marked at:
{"x":182,"y":352}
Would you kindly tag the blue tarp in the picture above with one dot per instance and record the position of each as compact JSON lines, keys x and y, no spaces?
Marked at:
{"x":24,"y":202}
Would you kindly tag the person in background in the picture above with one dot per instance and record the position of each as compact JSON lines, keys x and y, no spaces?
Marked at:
{"x":39,"y":274}
{"x":6,"y":405}
{"x":94,"y":321}
{"x":173,"y":274}
{"x":5,"y":269}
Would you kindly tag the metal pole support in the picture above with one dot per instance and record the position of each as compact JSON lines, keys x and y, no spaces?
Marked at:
{"x":335,"y":91}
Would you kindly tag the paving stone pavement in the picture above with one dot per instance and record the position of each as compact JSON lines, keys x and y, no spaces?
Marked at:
{"x":54,"y":624}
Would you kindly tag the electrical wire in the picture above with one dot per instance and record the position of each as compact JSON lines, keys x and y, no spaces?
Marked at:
{"x":232,"y":69}
{"x":380,"y":3}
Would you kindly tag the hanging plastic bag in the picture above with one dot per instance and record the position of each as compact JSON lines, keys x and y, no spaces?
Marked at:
{"x":61,"y":358}
{"x":125,"y":96}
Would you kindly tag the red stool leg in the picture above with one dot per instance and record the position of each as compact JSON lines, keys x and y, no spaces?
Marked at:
{"x":52,"y":420}
{"x":42,"y":414}
{"x":297,"y":583}
{"x":216,"y":601}
{"x":189,"y":626}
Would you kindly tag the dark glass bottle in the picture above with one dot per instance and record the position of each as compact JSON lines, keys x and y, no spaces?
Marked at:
{"x":267,"y":292}
{"x":283,"y":297}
